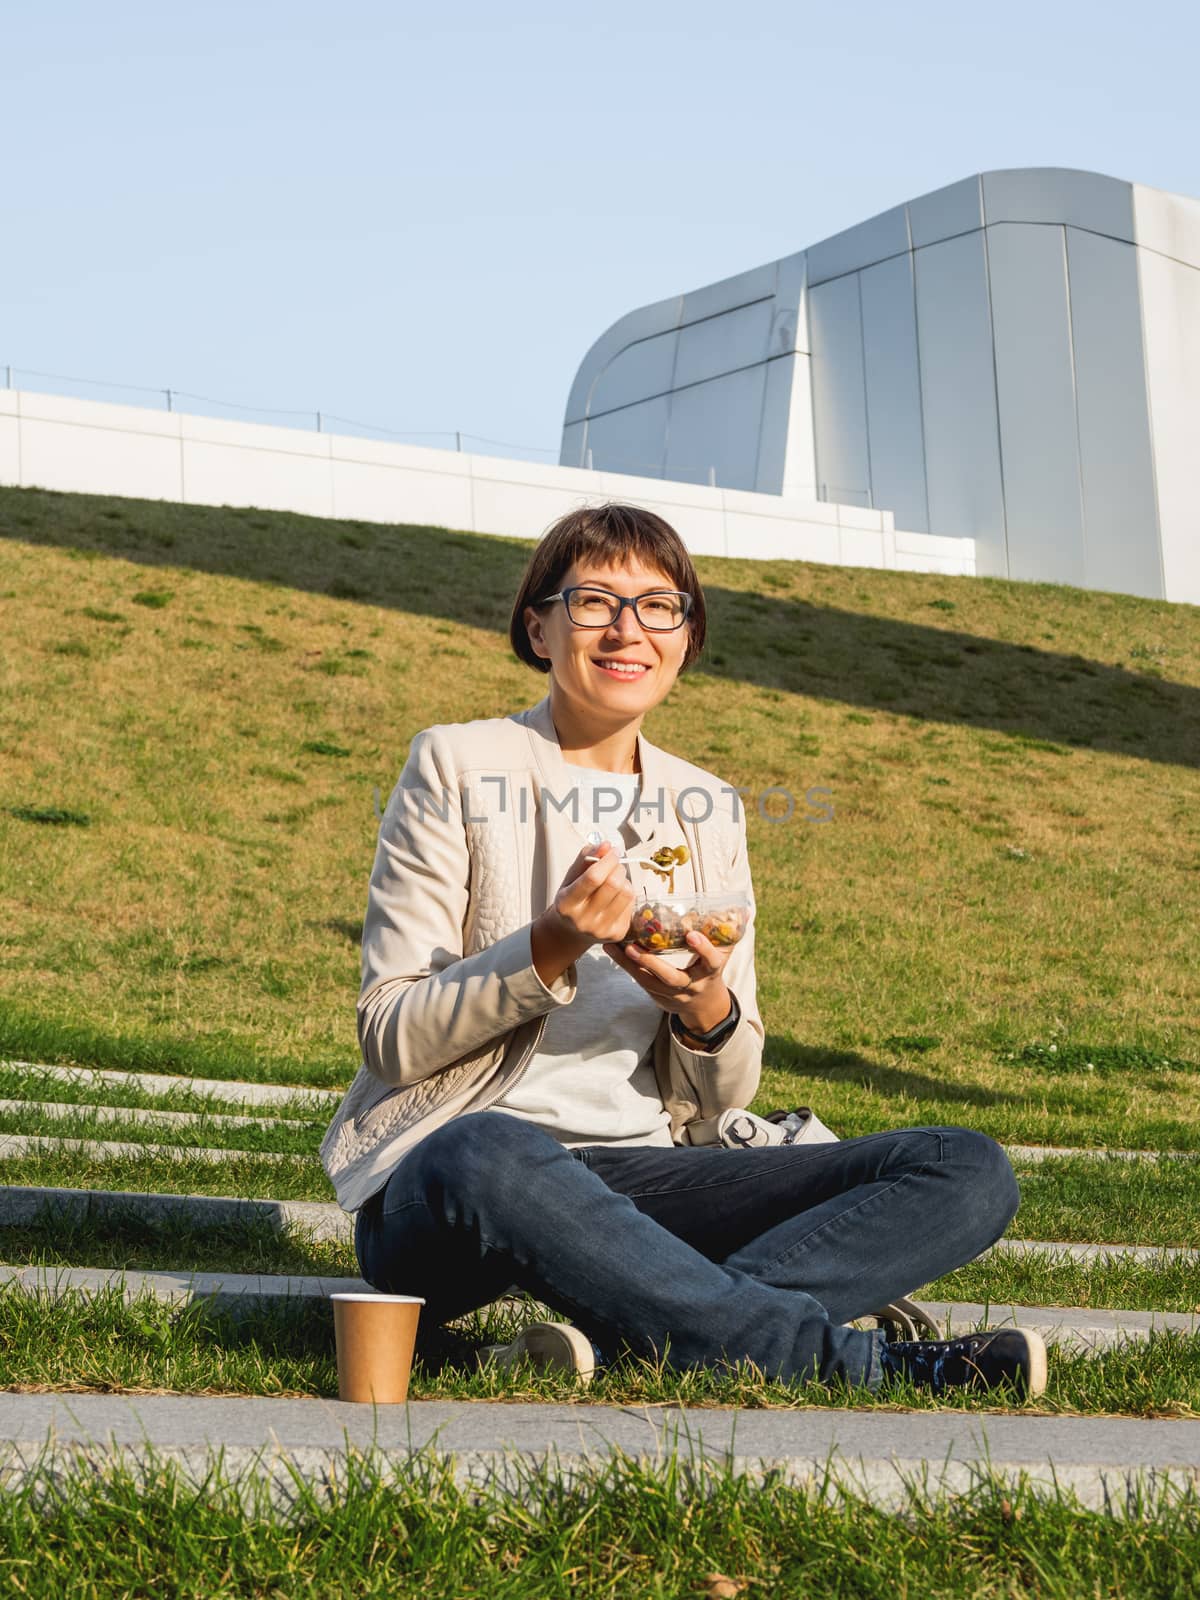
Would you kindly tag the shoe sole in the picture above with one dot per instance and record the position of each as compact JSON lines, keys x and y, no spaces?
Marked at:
{"x":1030,"y":1382}
{"x":548,"y":1347}
{"x":1036,"y":1345}
{"x":558,"y":1347}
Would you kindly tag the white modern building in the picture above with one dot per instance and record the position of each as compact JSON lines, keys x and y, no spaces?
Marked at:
{"x":1013,"y":360}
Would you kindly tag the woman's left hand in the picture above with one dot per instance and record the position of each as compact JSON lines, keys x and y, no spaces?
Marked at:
{"x":688,"y":991}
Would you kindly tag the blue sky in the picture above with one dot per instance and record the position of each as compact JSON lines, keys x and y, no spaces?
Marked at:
{"x":420,"y":218}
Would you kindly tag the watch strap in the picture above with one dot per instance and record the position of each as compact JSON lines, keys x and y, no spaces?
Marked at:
{"x":715,"y":1034}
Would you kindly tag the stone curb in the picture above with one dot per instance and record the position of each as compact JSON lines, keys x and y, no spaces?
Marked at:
{"x":225,"y":1291}
{"x":32,"y":1144}
{"x":149,"y":1116}
{"x":1152,"y":1254}
{"x":1105,"y":1461}
{"x":1053,"y":1152}
{"x":265,"y":1094}
{"x":22,"y":1204}
{"x":1070,"y":1327}
{"x":1075,"y":1327}
{"x":322,"y":1099}
{"x":26,"y":1143}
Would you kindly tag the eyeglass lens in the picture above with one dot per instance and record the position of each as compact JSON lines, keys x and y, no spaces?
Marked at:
{"x":597,"y":608}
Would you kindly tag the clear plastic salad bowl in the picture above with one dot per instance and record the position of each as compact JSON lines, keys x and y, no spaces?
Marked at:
{"x":663,"y":921}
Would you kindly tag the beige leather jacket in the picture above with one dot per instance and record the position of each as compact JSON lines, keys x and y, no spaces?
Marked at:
{"x":475,"y":841}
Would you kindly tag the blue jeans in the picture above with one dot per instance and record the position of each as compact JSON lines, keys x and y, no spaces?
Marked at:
{"x":692,"y":1255}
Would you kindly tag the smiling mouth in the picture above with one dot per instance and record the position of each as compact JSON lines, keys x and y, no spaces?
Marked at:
{"x":615,"y":669}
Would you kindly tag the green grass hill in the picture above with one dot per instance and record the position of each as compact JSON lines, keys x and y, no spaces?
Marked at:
{"x":198,"y":706}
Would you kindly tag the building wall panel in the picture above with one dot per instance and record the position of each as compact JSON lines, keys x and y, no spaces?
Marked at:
{"x":839,"y":392}
{"x":633,"y":439}
{"x":958,"y":398}
{"x":893,"y":385}
{"x":860,"y":246}
{"x":721,"y":344}
{"x":1120,"y":516}
{"x":638,"y":372}
{"x":1171,"y":320}
{"x":716,"y":426}
{"x":1035,"y":386}
{"x":958,"y":208}
{"x":1058,"y":195}
{"x":786,"y":464}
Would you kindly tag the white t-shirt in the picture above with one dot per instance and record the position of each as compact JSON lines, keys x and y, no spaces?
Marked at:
{"x":587,"y":1083}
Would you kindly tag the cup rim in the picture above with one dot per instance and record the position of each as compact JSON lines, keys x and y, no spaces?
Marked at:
{"x":380,"y":1299}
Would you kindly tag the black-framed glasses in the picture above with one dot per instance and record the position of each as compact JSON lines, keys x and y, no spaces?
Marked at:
{"x":660,"y":610}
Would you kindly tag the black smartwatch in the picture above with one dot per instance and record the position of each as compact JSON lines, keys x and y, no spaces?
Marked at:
{"x":714,"y":1036}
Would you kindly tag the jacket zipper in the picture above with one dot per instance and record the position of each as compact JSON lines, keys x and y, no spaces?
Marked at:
{"x":520,"y":1072}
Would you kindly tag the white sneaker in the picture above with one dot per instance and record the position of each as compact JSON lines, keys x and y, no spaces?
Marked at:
{"x":548,"y":1347}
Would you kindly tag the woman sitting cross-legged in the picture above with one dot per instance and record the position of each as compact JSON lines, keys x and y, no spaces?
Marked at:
{"x":539,"y":1095}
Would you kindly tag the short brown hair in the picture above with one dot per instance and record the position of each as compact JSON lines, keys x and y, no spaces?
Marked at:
{"x":599,"y":534}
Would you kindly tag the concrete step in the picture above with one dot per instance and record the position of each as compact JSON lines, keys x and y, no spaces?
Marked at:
{"x":1054,"y":1152}
{"x":323,"y":1100}
{"x":226,"y":1291}
{"x":1069,"y":1327}
{"x":1105,"y":1461}
{"x":32,"y":1144}
{"x":13,"y":1144}
{"x":1072,"y":1327}
{"x":23,"y":1204}
{"x":20,"y":1204}
{"x":1159,"y":1255}
{"x":146,"y":1116}
{"x":265,"y":1094}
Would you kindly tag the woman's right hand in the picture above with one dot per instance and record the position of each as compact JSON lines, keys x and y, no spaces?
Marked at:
{"x":594,"y":903}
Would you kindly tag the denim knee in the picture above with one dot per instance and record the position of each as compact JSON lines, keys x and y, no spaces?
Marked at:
{"x":989,"y":1171}
{"x":482,"y":1153}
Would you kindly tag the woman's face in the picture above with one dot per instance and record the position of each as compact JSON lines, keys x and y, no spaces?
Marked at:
{"x":581,"y":659}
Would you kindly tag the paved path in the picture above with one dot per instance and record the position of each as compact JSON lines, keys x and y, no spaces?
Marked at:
{"x":1149,"y":1254}
{"x":19,"y":1144}
{"x":227,"y":1290}
{"x":1054,"y":1152}
{"x":32,"y":1144}
{"x":21,"y":1204}
{"x":1099,"y":1458}
{"x":265,"y":1094}
{"x":321,"y":1101}
{"x":1072,"y":1327}
{"x":148,"y":1116}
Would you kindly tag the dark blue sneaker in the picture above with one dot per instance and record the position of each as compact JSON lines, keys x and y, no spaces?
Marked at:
{"x":1016,"y":1356}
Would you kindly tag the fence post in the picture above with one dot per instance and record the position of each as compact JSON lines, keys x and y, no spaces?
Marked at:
{"x":458,"y":442}
{"x":318,"y":422}
{"x":167,"y":392}
{"x":589,"y":458}
{"x":8,"y":377}
{"x":712,"y":477}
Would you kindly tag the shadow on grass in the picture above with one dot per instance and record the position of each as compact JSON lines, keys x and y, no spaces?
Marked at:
{"x":25,"y":1035}
{"x":127,"y":1239}
{"x":782,"y":1054}
{"x":785,"y":642}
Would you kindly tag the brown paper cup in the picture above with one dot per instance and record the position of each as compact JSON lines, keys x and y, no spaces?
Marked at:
{"x":374,"y":1335}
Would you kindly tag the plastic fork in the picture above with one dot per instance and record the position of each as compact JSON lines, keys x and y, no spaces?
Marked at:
{"x":637,"y":861}
{"x":626,"y":860}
